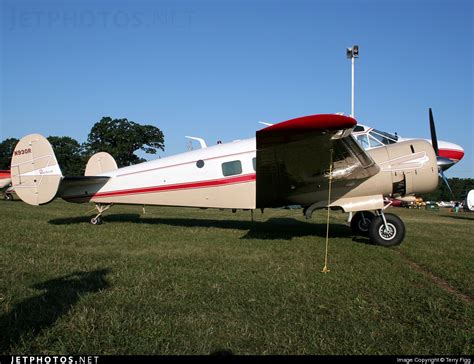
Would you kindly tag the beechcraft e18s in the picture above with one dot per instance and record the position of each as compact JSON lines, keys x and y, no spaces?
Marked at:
{"x":290,"y":163}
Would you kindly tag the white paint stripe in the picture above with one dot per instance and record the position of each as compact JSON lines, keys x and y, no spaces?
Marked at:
{"x":47,"y":171}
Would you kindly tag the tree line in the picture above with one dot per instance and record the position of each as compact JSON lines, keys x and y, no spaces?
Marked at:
{"x":459,"y":186}
{"x":119,"y":137}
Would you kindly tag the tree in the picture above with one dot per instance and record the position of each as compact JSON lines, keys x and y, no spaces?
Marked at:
{"x":6,"y":151}
{"x":70,"y":155}
{"x":459,"y":186}
{"x":122,"y":138}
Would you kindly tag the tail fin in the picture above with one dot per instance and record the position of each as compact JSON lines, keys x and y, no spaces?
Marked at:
{"x":101,"y":162}
{"x":35,"y":171}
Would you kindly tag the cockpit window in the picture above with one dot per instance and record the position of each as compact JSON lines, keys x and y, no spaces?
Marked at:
{"x":383,"y":137}
{"x":358,"y":128}
{"x":374,"y":142}
{"x":363,"y":141}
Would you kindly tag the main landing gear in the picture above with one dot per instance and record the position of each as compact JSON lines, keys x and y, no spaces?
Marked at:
{"x":382,"y":229}
{"x":101,"y":208}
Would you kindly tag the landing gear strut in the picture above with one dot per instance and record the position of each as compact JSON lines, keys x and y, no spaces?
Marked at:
{"x":101,"y":208}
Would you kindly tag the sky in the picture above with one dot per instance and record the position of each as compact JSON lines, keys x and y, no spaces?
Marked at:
{"x":214,"y":69}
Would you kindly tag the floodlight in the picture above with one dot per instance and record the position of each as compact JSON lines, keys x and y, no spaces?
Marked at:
{"x":355,"y":51}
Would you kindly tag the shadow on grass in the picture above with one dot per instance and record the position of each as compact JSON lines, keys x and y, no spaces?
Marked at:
{"x":273,"y":228}
{"x":35,"y":314}
{"x":461,"y":217}
{"x":363,"y":240}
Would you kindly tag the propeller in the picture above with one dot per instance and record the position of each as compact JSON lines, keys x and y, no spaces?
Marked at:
{"x":443,"y":163}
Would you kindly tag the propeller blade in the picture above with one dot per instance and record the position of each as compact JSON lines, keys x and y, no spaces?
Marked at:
{"x":447,"y":183}
{"x":434,"y":140}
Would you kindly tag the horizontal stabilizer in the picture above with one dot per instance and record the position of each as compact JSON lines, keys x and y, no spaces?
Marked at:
{"x":83,"y":180}
{"x":82,"y":188}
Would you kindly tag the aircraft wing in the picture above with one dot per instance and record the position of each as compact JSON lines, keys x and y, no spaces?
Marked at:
{"x":293,"y":157}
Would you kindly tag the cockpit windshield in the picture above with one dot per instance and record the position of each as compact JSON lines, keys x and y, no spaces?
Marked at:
{"x":383,"y":137}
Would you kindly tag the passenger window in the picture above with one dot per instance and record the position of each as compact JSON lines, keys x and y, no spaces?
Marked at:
{"x":231,"y":168}
{"x":254,"y":162}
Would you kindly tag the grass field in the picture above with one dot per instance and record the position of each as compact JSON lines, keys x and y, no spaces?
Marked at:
{"x":190,"y":281}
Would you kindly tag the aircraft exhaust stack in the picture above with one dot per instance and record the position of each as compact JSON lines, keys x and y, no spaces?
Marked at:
{"x":35,"y":171}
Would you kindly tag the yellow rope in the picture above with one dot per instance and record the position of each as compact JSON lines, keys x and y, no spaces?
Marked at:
{"x":326,"y":269}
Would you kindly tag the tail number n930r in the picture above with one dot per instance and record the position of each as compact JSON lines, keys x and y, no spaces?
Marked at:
{"x":22,"y":151}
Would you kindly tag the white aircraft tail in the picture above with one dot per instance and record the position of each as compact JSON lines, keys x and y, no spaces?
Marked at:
{"x":35,"y":171}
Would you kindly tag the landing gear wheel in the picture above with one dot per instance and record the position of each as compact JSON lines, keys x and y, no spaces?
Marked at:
{"x":7,"y":197}
{"x":391,"y":235}
{"x":361,"y":221}
{"x":96,"y":220}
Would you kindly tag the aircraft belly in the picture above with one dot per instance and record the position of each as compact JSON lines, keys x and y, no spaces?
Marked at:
{"x":238,"y":196}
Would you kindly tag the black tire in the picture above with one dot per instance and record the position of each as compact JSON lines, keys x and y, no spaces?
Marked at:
{"x":360,"y":222}
{"x":96,"y":220}
{"x":380,"y":236}
{"x":8,"y":197}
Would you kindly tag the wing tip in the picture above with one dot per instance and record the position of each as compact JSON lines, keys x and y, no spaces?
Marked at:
{"x":313,"y":122}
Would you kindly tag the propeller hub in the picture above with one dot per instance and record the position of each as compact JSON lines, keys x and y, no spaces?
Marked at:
{"x":444,"y":163}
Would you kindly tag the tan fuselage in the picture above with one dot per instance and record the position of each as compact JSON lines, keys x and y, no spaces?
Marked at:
{"x":405,"y":168}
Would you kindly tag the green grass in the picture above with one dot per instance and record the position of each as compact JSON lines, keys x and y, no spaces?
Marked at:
{"x":191,"y":281}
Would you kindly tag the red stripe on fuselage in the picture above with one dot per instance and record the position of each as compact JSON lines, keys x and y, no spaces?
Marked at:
{"x":172,"y":187}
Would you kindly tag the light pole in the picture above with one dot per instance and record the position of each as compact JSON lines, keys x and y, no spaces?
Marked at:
{"x":352,"y":53}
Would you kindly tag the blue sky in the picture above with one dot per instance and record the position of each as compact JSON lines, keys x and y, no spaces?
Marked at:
{"x":213,"y":69}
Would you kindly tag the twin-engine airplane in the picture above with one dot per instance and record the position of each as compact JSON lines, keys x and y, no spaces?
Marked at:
{"x":289,"y":163}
